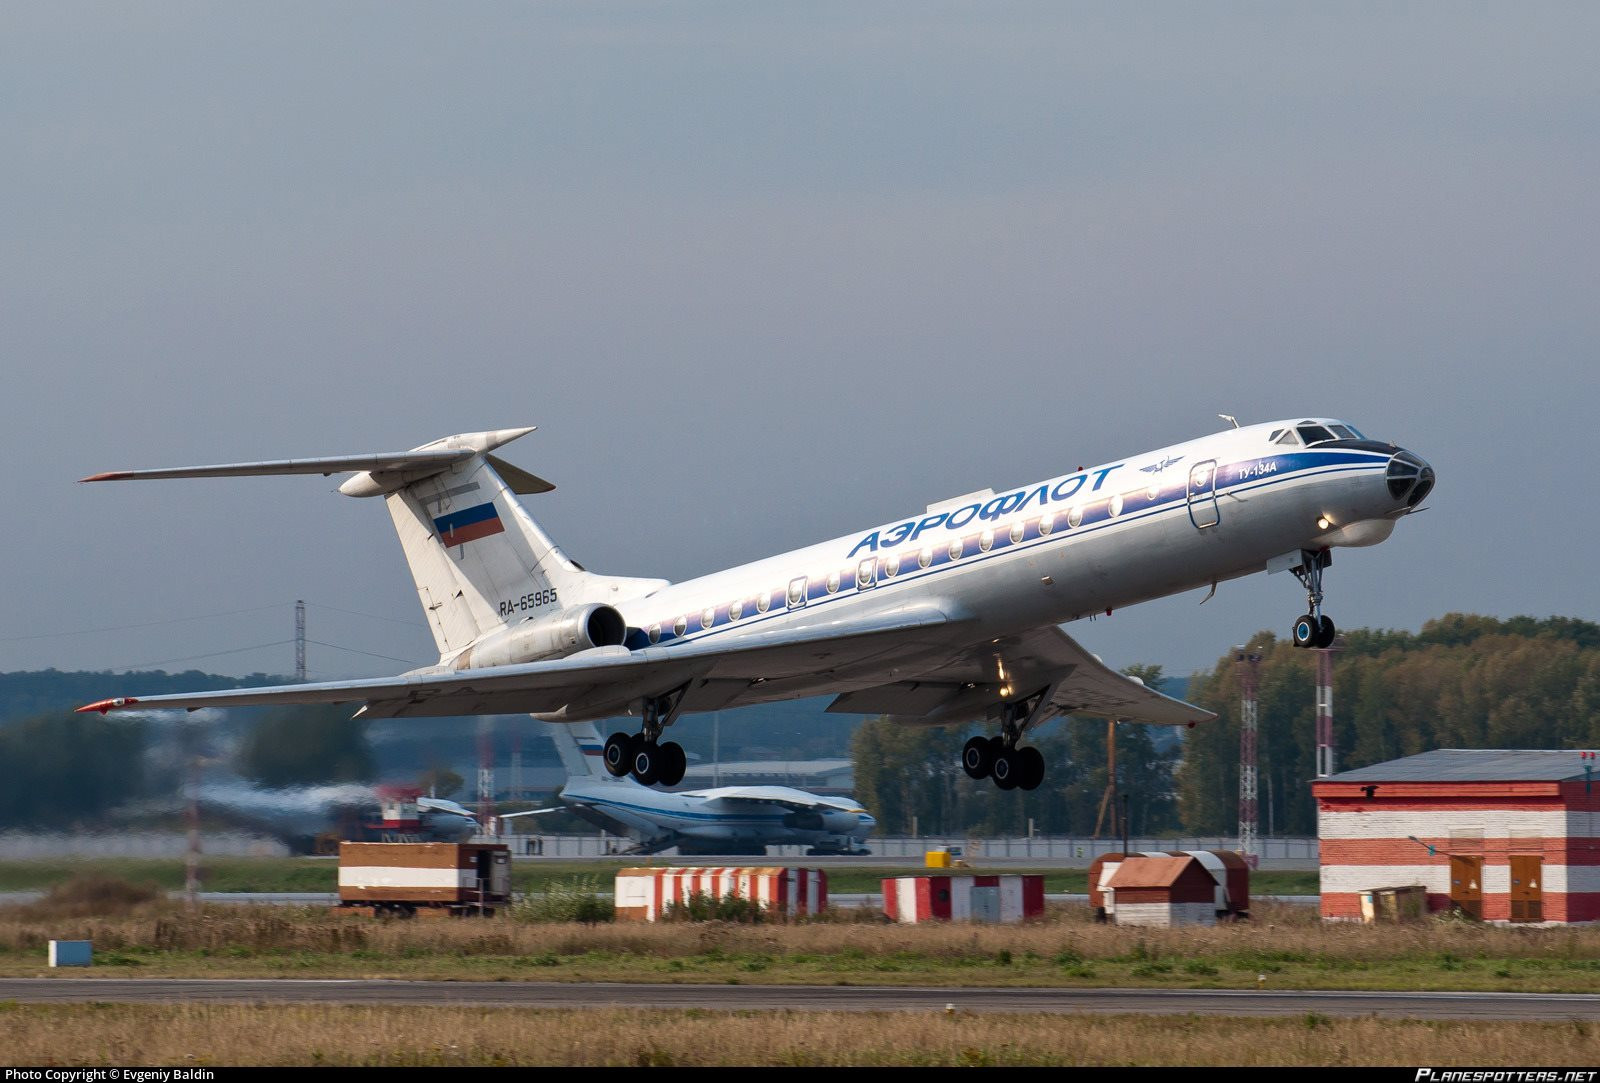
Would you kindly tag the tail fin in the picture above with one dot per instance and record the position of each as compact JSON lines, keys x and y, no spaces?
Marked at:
{"x":478,"y":559}
{"x":580,"y":748}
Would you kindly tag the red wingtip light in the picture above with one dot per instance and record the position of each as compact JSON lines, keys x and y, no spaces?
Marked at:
{"x":105,"y":705}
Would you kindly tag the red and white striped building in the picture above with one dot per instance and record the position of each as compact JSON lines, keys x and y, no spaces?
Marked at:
{"x":1502,"y":835}
{"x":1006,"y":898}
{"x":645,"y":894}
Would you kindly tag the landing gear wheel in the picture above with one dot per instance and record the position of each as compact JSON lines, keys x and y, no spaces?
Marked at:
{"x":1325,"y":632}
{"x":1006,"y":771}
{"x":1306,"y":630}
{"x":618,"y":754}
{"x":647,"y":762}
{"x":977,"y":758}
{"x":1313,"y":630}
{"x":1031,"y":768}
{"x":674,"y":762}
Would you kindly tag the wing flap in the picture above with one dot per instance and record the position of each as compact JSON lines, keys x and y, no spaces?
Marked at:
{"x":977,"y":680}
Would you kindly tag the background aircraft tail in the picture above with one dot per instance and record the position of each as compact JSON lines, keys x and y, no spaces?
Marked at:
{"x":580,"y":747}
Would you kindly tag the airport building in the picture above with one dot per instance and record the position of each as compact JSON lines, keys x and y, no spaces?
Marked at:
{"x":1506,"y":836}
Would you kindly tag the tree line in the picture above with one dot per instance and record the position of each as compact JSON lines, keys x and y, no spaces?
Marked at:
{"x":1463,"y":681}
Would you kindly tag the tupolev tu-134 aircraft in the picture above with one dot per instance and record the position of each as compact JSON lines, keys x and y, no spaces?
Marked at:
{"x":949,"y":615}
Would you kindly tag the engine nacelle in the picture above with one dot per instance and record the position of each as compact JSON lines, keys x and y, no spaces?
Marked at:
{"x":555,"y":636}
{"x":833,"y":821}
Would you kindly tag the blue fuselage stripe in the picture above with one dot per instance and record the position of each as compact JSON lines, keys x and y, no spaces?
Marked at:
{"x":1137,"y":507}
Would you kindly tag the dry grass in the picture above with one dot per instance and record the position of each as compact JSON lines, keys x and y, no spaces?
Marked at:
{"x":204,"y":1034}
{"x":1288,"y":946}
{"x":92,"y":895}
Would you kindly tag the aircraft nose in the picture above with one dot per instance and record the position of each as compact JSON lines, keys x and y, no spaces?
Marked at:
{"x":1410,"y":478}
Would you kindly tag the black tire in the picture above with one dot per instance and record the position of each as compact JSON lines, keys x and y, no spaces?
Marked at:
{"x":1006,"y":771}
{"x":1032,"y":768}
{"x":618,"y":757}
{"x":674,"y":762}
{"x":1305,"y":631}
{"x":977,"y":758}
{"x":646,"y":762}
{"x":1325,"y":632}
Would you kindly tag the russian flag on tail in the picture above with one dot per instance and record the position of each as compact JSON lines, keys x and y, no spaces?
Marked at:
{"x":470,"y":524}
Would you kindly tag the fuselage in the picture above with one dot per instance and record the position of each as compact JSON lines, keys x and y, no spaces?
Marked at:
{"x":747,"y":814}
{"x":1174,"y":519}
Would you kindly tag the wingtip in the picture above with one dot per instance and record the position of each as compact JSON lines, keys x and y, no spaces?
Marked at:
{"x":105,"y":705}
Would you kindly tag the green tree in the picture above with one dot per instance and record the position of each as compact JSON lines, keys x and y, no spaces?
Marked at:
{"x":306,"y":746}
{"x":1464,"y":681}
{"x":909,"y":775}
{"x":440,"y":782}
{"x":62,"y":769}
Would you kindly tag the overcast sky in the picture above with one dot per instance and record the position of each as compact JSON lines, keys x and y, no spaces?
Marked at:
{"x":768,"y":274}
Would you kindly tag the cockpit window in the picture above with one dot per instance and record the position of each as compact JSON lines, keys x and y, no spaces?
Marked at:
{"x":1314,"y":434}
{"x":1344,"y":432}
{"x":1285,"y":436}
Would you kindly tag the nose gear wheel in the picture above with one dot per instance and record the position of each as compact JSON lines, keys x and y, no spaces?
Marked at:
{"x":1314,"y":629}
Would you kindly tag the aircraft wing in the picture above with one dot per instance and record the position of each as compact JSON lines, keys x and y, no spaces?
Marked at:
{"x":593,"y":680}
{"x":769,"y":795}
{"x":968,"y":683}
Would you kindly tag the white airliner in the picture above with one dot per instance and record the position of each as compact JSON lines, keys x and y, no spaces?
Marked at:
{"x":947,"y":615}
{"x":724,"y":820}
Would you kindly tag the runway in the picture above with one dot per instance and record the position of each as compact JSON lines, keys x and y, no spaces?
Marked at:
{"x":1247,"y":1002}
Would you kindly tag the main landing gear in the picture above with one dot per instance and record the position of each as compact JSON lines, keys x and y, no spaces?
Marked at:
{"x":999,"y":758}
{"x":1314,"y":629}
{"x":640,"y":754}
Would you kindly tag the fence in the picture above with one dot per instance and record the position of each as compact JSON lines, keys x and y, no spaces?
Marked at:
{"x":15,"y":845}
{"x":1275,"y":852}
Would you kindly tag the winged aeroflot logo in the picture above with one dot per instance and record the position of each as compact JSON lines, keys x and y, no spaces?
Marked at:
{"x":1156,"y":468}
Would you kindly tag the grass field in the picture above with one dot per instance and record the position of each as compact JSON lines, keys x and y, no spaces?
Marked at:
{"x":138,"y":932}
{"x":198,"y":1035}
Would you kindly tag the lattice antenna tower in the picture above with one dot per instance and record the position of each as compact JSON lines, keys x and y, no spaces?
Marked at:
{"x":485,"y":773}
{"x":1325,"y":765}
{"x":300,"y":641}
{"x":1249,"y":729}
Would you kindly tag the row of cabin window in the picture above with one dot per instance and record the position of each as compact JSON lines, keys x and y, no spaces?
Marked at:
{"x":868,"y":570}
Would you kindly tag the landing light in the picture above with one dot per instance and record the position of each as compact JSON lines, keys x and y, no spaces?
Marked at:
{"x":1323,"y":524}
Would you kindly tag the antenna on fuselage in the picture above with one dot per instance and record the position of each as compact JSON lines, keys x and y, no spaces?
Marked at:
{"x":1230,"y":419}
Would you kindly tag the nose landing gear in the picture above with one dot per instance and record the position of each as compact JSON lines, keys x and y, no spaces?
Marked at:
{"x":999,"y":758}
{"x":640,"y":754}
{"x":1314,"y":629}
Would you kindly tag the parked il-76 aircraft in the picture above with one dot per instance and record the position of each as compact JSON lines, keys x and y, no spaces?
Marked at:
{"x":947,"y":615}
{"x":723,"y":820}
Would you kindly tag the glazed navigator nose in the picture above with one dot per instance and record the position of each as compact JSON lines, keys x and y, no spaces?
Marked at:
{"x":1410,"y":479}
